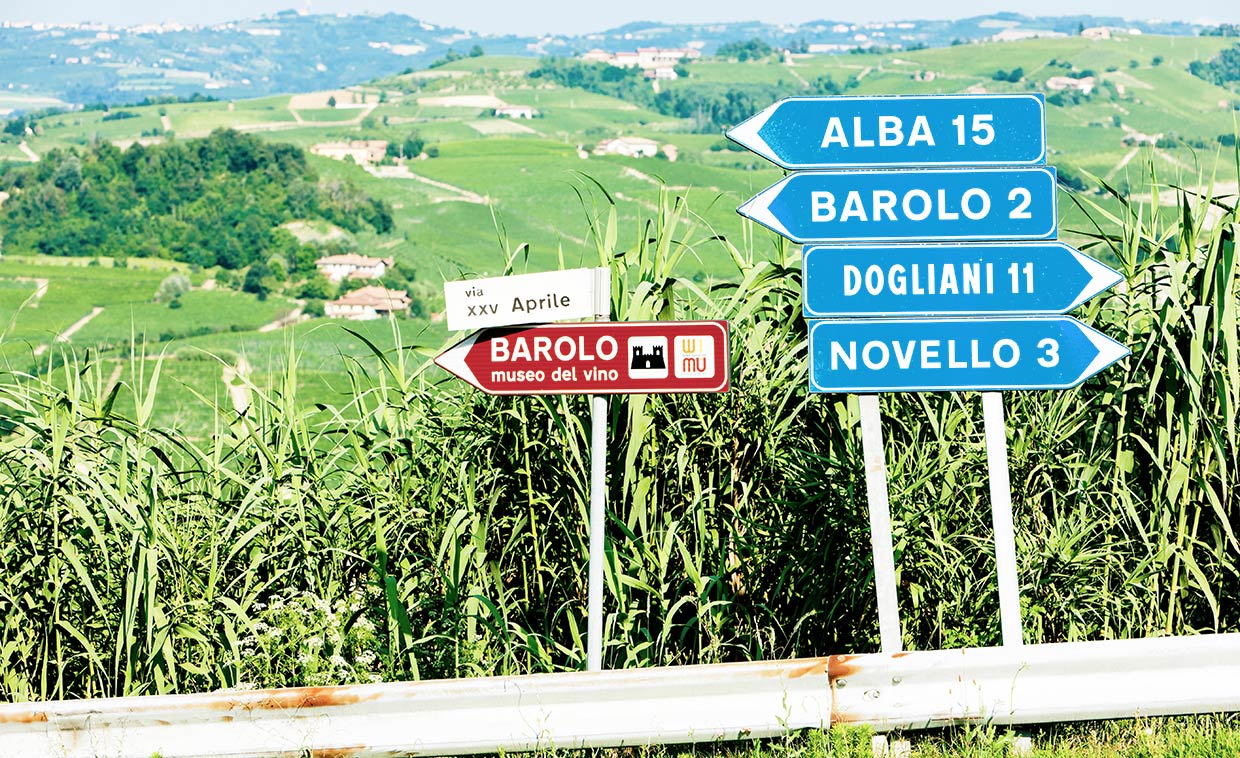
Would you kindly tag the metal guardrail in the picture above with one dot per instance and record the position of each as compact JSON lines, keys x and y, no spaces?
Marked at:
{"x":1034,"y":684}
{"x":1014,"y":685}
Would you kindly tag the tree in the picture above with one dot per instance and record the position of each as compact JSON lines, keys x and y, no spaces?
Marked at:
{"x":331,"y":102}
{"x":317,"y":287}
{"x":476,"y":51}
{"x":413,"y":145}
{"x":68,"y":176}
{"x":256,"y":280}
{"x":15,"y":127}
{"x":172,"y":287}
{"x":826,"y":85}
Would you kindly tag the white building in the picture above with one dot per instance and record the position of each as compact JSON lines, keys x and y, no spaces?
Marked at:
{"x":352,"y":266}
{"x":363,"y":152}
{"x":1084,"y":84}
{"x":368,"y":303}
{"x":632,"y":147}
{"x":646,"y":58}
{"x":515,"y":111}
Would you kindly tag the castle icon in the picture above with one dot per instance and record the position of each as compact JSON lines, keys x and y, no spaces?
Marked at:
{"x":648,"y":359}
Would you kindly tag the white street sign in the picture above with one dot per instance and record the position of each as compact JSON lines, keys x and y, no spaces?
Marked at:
{"x":528,"y":298}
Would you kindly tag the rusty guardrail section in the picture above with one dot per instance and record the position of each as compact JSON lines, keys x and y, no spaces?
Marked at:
{"x":1013,"y":685}
{"x":446,"y":717}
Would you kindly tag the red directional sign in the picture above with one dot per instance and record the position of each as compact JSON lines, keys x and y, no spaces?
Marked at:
{"x":599,"y":358}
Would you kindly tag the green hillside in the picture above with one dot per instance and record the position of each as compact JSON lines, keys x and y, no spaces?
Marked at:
{"x":486,"y":187}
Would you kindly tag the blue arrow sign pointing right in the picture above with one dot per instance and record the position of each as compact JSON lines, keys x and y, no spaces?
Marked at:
{"x":949,"y":280}
{"x":931,"y":355}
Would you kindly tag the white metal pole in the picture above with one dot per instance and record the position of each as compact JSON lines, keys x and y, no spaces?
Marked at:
{"x":598,"y":492}
{"x":598,"y":515}
{"x":1001,"y":513}
{"x":880,"y":525}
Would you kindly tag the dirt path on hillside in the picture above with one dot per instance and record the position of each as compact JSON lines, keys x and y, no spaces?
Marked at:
{"x":31,"y":154}
{"x":1122,"y":162}
{"x":1174,"y":160}
{"x":270,"y":126}
{"x":292,"y":317}
{"x":361,"y":114}
{"x":236,"y":379}
{"x":166,"y":123}
{"x":640,"y":176}
{"x":40,"y":288}
{"x":73,"y":329}
{"x":643,"y":203}
{"x":804,"y":82}
{"x":115,"y":377}
{"x":403,"y":172}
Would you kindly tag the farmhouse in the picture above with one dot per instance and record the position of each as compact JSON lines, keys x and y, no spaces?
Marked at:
{"x":363,"y":152}
{"x":597,"y":56}
{"x":514,"y":111}
{"x":1107,"y":32}
{"x":368,"y":303}
{"x":647,"y":58}
{"x":1085,"y":84}
{"x":632,"y":147}
{"x":352,"y":266}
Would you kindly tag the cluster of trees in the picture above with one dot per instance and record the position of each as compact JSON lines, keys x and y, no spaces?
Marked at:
{"x":711,"y":106}
{"x":1102,"y":90}
{"x":16,"y":127}
{"x":411,"y":147}
{"x":1015,"y":75}
{"x":628,"y":84}
{"x":118,"y":115}
{"x":1222,"y":30}
{"x":753,"y":50}
{"x":826,"y":85}
{"x":215,"y":201}
{"x":452,"y":55}
{"x":1222,"y":69}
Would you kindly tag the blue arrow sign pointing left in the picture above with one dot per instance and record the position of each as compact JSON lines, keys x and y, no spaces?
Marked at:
{"x":932,"y":355}
{"x":950,"y":280}
{"x":898,"y":130}
{"x":916,"y":205}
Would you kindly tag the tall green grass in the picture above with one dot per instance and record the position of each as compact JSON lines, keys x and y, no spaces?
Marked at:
{"x":420,"y":529}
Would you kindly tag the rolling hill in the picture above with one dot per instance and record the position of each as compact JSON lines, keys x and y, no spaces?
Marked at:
{"x":48,"y":64}
{"x":492,"y":192}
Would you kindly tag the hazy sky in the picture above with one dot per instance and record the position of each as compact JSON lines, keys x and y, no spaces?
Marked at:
{"x":576,"y":16}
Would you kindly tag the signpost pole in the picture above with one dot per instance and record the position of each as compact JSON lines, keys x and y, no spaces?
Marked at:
{"x":880,"y":525}
{"x":1001,"y":513}
{"x":598,"y":496}
{"x":598,"y":515}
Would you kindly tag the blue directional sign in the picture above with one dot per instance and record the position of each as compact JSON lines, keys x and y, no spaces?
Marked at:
{"x":917,"y":205}
{"x":932,"y":355}
{"x":927,"y":280}
{"x":933,"y":130}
